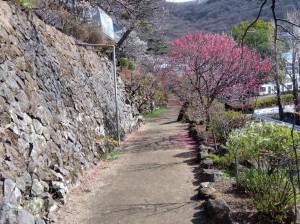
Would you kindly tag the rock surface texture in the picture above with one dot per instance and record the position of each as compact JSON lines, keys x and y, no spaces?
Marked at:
{"x":57,"y":114}
{"x":218,"y":211}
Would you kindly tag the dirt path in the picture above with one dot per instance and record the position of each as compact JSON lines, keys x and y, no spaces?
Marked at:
{"x":151,"y":183}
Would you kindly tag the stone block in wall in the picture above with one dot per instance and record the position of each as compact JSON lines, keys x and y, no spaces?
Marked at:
{"x":37,"y":188}
{"x":12,"y":194}
{"x":207,"y":163}
{"x":208,"y":193}
{"x":210,"y":175}
{"x":12,"y":214}
{"x":218,"y":211}
{"x":24,"y":181}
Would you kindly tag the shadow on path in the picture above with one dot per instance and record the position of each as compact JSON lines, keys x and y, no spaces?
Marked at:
{"x":144,"y":209}
{"x":190,"y":157}
{"x":153,"y":181}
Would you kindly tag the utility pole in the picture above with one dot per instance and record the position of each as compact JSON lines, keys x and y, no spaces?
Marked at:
{"x":115,"y":82}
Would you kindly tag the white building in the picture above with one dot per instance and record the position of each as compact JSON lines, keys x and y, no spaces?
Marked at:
{"x":270,"y":87}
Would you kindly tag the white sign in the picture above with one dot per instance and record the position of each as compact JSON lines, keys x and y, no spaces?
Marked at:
{"x":107,"y":24}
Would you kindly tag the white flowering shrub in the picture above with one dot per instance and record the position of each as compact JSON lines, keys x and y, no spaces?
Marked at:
{"x":272,"y":179}
{"x":262,"y":140}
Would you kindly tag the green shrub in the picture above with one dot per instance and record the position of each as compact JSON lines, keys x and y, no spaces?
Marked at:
{"x":123,"y":62}
{"x":258,"y":138}
{"x":272,"y":101}
{"x":126,"y":63}
{"x":161,"y":98}
{"x":107,"y":143}
{"x":112,"y":141}
{"x":222,"y":123}
{"x":270,"y":145}
{"x":272,"y":193}
{"x":220,"y":161}
{"x":287,"y":99}
{"x":26,"y":3}
{"x":131,"y":65}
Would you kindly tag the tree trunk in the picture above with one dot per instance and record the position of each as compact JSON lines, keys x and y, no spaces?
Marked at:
{"x":152,"y":106}
{"x":124,"y":37}
{"x":278,"y":95}
{"x":278,"y":92}
{"x":207,"y":120}
{"x":295,"y":85}
{"x":122,"y":40}
{"x":296,"y":80}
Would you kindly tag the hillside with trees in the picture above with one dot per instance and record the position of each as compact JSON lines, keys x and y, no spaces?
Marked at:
{"x":218,"y":15}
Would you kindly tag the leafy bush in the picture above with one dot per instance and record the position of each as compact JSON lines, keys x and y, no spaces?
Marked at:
{"x":218,"y":160}
{"x":126,"y":63}
{"x":272,"y":101}
{"x":26,"y":3}
{"x":123,"y":62}
{"x":131,"y":65}
{"x":223,"y":122}
{"x":112,"y":141}
{"x":247,"y":107}
{"x":107,"y":143}
{"x":272,"y":193}
{"x":271,"y":146}
{"x":257,"y":140}
{"x":161,"y":97}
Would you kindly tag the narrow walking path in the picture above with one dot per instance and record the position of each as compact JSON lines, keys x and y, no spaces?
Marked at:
{"x":151,"y":183}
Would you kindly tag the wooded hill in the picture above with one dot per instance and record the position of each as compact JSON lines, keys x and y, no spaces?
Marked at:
{"x":219,"y":15}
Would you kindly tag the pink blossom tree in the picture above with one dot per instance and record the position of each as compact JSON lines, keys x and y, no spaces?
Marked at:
{"x":205,"y":67}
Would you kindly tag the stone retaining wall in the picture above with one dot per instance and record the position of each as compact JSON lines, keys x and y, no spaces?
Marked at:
{"x":57,"y":113}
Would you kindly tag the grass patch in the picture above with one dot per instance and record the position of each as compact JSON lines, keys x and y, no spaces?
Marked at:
{"x":111,"y":155}
{"x":155,"y":113}
{"x":219,"y":161}
{"x":228,"y":173}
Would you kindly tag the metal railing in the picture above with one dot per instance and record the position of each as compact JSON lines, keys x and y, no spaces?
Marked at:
{"x":115,"y":82}
{"x":259,"y":117}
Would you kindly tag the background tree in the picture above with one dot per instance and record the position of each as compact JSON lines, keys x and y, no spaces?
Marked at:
{"x":157,"y":46}
{"x":293,"y":40}
{"x":280,"y":24}
{"x":133,"y":48}
{"x":205,"y":67}
{"x":143,"y":89}
{"x":259,"y":37}
{"x":141,"y":84}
